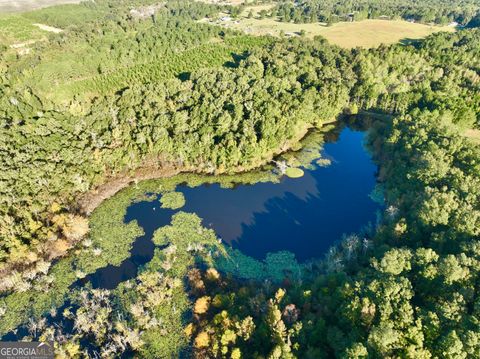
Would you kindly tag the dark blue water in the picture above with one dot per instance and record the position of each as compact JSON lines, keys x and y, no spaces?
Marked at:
{"x":304,"y":215}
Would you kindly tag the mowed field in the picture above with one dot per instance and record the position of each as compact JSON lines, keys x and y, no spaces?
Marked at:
{"x":8,"y":6}
{"x":367,"y":33}
{"x":371,"y":33}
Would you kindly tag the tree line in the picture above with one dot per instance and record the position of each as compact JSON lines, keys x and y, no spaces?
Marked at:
{"x":463,"y":12}
{"x":409,"y":290}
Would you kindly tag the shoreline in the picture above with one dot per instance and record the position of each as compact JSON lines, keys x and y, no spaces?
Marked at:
{"x":90,"y":200}
{"x":84,"y":204}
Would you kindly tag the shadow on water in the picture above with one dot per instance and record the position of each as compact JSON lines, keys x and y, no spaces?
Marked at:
{"x":304,"y":215}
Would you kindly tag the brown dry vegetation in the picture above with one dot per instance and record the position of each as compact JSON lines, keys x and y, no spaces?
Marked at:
{"x":366,"y":34}
{"x":92,"y":199}
{"x":473,"y":134}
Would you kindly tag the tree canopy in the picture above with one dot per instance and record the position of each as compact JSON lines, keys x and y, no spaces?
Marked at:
{"x":154,"y":87}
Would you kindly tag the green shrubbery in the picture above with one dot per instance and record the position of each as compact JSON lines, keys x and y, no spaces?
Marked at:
{"x":220,"y":120}
{"x":409,"y":291}
{"x":172,"y":200}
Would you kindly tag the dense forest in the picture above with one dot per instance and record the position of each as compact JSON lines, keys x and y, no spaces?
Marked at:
{"x":136,"y":86}
{"x":464,"y":12}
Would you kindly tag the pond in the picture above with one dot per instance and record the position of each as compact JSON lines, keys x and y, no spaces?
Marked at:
{"x":303,"y":215}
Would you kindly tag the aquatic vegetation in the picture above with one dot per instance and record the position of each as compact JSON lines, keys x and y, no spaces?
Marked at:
{"x":294,"y":172}
{"x":308,"y":150}
{"x":183,"y":241}
{"x":124,"y":92}
{"x":276,"y":266}
{"x":378,"y":194}
{"x":172,"y":200}
{"x":109,"y":243}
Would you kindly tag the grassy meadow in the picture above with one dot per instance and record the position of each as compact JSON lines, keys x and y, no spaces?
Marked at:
{"x":473,"y":134}
{"x":371,"y":33}
{"x":366,"y":34}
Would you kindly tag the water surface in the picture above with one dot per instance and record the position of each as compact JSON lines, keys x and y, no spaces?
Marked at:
{"x":304,"y":215}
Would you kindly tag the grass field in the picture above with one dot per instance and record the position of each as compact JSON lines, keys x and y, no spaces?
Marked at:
{"x":367,"y":33}
{"x":15,"y":29}
{"x":7,"y":6}
{"x":474,"y":135}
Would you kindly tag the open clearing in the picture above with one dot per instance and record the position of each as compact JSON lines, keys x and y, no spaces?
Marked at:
{"x":223,"y":2}
{"x":367,"y":33}
{"x":26,"y":5}
{"x":48,"y":28}
{"x":473,"y":134}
